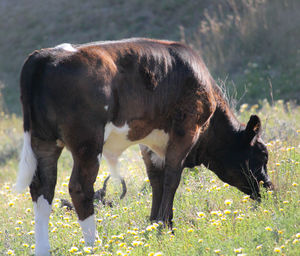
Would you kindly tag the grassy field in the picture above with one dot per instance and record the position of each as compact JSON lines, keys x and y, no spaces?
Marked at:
{"x":251,"y":45}
{"x":211,"y":218}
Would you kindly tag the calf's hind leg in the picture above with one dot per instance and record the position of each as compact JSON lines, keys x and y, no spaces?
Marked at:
{"x":42,"y":190}
{"x":155,"y":174}
{"x":81,"y":185}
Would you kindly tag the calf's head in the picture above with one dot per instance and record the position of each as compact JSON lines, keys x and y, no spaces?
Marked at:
{"x":243,"y":163}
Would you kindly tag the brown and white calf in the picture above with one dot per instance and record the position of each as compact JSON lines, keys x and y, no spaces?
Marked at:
{"x":100,"y":98}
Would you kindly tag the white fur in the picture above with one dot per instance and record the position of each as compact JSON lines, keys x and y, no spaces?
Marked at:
{"x":110,"y":127}
{"x":157,"y":161}
{"x":42,"y":210}
{"x":157,"y":141}
{"x":88,"y":227}
{"x":67,"y":47}
{"x":107,"y":130}
{"x":27,"y":165}
{"x":106,"y":107}
{"x":116,"y":141}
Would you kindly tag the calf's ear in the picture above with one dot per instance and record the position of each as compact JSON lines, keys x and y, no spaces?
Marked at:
{"x":253,"y":129}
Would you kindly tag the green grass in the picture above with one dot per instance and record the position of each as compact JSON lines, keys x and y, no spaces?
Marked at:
{"x":205,"y":223}
{"x":252,"y":43}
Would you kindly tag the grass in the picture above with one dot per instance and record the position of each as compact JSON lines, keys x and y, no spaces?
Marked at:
{"x":247,"y":41}
{"x":253,"y":43}
{"x":211,"y":218}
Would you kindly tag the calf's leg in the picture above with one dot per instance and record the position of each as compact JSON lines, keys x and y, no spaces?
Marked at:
{"x":81,"y":186}
{"x":178,"y":148}
{"x":155,"y":174}
{"x":42,"y":190}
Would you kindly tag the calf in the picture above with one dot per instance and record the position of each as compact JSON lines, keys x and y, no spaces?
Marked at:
{"x":100,"y":98}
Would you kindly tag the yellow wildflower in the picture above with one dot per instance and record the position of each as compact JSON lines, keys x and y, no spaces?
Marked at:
{"x":136,"y":243}
{"x":238,"y":250}
{"x":259,"y":247}
{"x":239,"y":217}
{"x":10,"y":252}
{"x":201,"y":214}
{"x":73,"y":249}
{"x":277,"y":249}
{"x":87,"y":249}
{"x":155,"y":224}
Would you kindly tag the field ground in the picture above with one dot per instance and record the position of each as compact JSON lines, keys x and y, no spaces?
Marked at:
{"x":211,"y":218}
{"x":250,"y":45}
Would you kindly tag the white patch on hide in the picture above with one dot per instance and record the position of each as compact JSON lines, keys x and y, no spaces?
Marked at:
{"x":106,"y":107}
{"x":88,"y":227}
{"x":42,"y":210}
{"x":116,"y":141}
{"x":111,"y":128}
{"x":157,"y":141}
{"x":27,"y":165}
{"x":67,"y":47}
{"x":107,"y":130}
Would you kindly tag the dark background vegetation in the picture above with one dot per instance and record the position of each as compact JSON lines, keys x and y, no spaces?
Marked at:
{"x":251,"y":46}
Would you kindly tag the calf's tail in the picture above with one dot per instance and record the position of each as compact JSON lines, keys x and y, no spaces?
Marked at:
{"x":28,"y":160}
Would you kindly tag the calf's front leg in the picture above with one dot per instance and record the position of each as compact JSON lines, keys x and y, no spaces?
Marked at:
{"x":179,"y":146}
